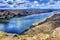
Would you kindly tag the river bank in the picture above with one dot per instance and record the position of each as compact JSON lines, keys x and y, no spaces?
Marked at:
{"x":42,"y":30}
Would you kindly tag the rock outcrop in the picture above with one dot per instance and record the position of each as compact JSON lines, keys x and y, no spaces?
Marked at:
{"x":55,"y":35}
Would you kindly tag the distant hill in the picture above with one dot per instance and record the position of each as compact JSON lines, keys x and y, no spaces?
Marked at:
{"x":5,"y":15}
{"x":12,"y":13}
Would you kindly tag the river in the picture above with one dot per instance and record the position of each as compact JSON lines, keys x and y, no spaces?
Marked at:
{"x":20,"y":24}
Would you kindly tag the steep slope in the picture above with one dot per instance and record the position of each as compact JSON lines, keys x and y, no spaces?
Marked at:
{"x":45,"y":26}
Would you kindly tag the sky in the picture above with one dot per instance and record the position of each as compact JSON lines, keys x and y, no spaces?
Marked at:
{"x":43,"y":2}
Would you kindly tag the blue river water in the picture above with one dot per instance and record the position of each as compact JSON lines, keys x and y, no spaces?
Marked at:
{"x":20,"y":24}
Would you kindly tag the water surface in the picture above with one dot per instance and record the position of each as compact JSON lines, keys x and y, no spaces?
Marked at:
{"x":20,"y":24}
